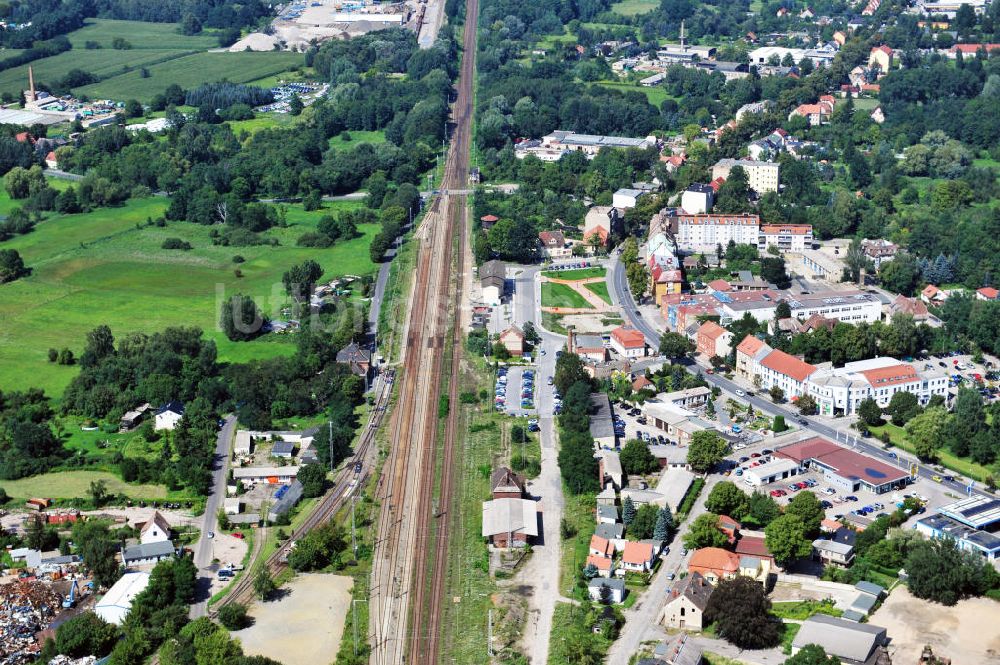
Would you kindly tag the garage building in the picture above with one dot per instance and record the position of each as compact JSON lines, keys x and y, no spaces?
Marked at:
{"x":773,"y":471}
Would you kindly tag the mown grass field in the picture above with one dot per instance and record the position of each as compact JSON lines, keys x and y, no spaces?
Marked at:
{"x":560,"y":295}
{"x":601,"y":289}
{"x":579,"y":273}
{"x":190,"y":71}
{"x":656,"y":95}
{"x":76,"y":484}
{"x":141,"y":35}
{"x":634,"y":7}
{"x":99,"y":62}
{"x":262,"y":121}
{"x":356,"y":138}
{"x":105,"y":267}
{"x":962,"y":465}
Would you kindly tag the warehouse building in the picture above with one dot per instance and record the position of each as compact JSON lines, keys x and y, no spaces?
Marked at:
{"x":771,"y":472}
{"x":117,"y":602}
{"x":972,"y":523}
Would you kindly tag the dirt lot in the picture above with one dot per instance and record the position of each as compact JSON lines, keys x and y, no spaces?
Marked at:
{"x":966,"y":633}
{"x":305,"y":626}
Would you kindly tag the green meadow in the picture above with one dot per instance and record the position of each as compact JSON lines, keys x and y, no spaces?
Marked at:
{"x":141,"y":35}
{"x":190,"y":71}
{"x":108,"y":267}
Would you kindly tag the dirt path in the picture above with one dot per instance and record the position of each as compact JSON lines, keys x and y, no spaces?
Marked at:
{"x":966,"y":633}
{"x":305,"y":626}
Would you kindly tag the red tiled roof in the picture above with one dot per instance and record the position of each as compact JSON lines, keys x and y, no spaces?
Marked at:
{"x":600,"y":231}
{"x":930,"y":291}
{"x":788,"y":365}
{"x":972,"y":49}
{"x":794,"y":229}
{"x":720,"y":220}
{"x":714,"y":558}
{"x":988,"y":292}
{"x":711,"y":330}
{"x":891,"y":376}
{"x":720,"y":285}
{"x":752,"y":546}
{"x":600,"y":562}
{"x":750,"y":345}
{"x":847,"y":463}
{"x":637,"y":553}
{"x":641,"y":382}
{"x":489,"y":218}
{"x":552,"y":238}
{"x":630,"y":338}
{"x":602,"y":545}
{"x":885,"y":49}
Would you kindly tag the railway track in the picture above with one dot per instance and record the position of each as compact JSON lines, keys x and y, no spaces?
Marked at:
{"x":344,"y":486}
{"x":409,"y":570}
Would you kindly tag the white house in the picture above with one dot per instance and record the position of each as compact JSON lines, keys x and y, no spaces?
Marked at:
{"x":232,"y":505}
{"x":698,"y":199}
{"x":628,"y":342}
{"x":626,"y":198}
{"x":117,"y":602}
{"x":616,"y":588}
{"x":493,"y":278}
{"x":168,"y":415}
{"x":155,"y":530}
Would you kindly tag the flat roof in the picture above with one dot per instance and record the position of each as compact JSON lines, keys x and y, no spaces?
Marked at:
{"x":977,"y":511}
{"x":825,"y":545}
{"x":266,"y":471}
{"x":773,"y":467}
{"x":846,"y":463}
{"x":510,"y":516}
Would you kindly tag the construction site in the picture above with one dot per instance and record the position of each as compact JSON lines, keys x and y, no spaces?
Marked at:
{"x":298,"y":24}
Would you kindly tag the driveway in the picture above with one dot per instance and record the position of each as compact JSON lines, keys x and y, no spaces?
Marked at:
{"x":542,"y":570}
{"x":203,"y":549}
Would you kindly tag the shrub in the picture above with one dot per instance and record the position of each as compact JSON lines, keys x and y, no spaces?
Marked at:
{"x":176,"y":243}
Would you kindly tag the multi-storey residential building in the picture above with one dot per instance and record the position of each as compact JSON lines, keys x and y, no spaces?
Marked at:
{"x":879,"y":251}
{"x":841,"y":390}
{"x":705,"y":232}
{"x":786,"y":237}
{"x":837,"y":391}
{"x":761,"y":176}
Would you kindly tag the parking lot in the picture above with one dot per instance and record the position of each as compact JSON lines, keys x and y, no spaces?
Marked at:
{"x":514,"y":391}
{"x":631,"y":424}
{"x":965,"y":372}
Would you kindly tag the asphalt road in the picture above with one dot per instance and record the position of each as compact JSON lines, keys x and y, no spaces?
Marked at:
{"x":203,"y":551}
{"x":619,"y":285}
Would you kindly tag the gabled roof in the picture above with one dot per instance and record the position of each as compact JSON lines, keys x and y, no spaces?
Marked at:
{"x":988,"y":292}
{"x":610,"y":531}
{"x":930,"y":291}
{"x":695,"y":588}
{"x":602,"y":545}
{"x":352,"y":353}
{"x":505,"y":479}
{"x":752,"y":546}
{"x":599,"y":562}
{"x":642,"y":382}
{"x":173,"y":407}
{"x":493,"y":269}
{"x":637,"y":553}
{"x":161,"y":549}
{"x":552,"y":238}
{"x":156,"y":520}
{"x":838,"y":637}
{"x":513,"y":330}
{"x":788,"y":365}
{"x":891,"y":376}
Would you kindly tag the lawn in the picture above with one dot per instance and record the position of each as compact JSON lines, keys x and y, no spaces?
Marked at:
{"x":578,"y":513}
{"x":76,"y":484}
{"x":803,"y":609}
{"x":962,"y":465}
{"x":581,"y":273}
{"x":141,"y":35}
{"x":868,"y":104}
{"x":601,"y":289}
{"x":791,"y":630}
{"x":560,"y":295}
{"x":656,"y":95}
{"x":191,"y":71}
{"x":553,"y":323}
{"x":634,"y":7}
{"x":262,"y":121}
{"x":356,"y":137}
{"x":102,"y":268}
{"x":99,"y":62}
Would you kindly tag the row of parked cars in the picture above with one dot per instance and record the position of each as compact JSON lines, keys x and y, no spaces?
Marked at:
{"x":571,"y":266}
